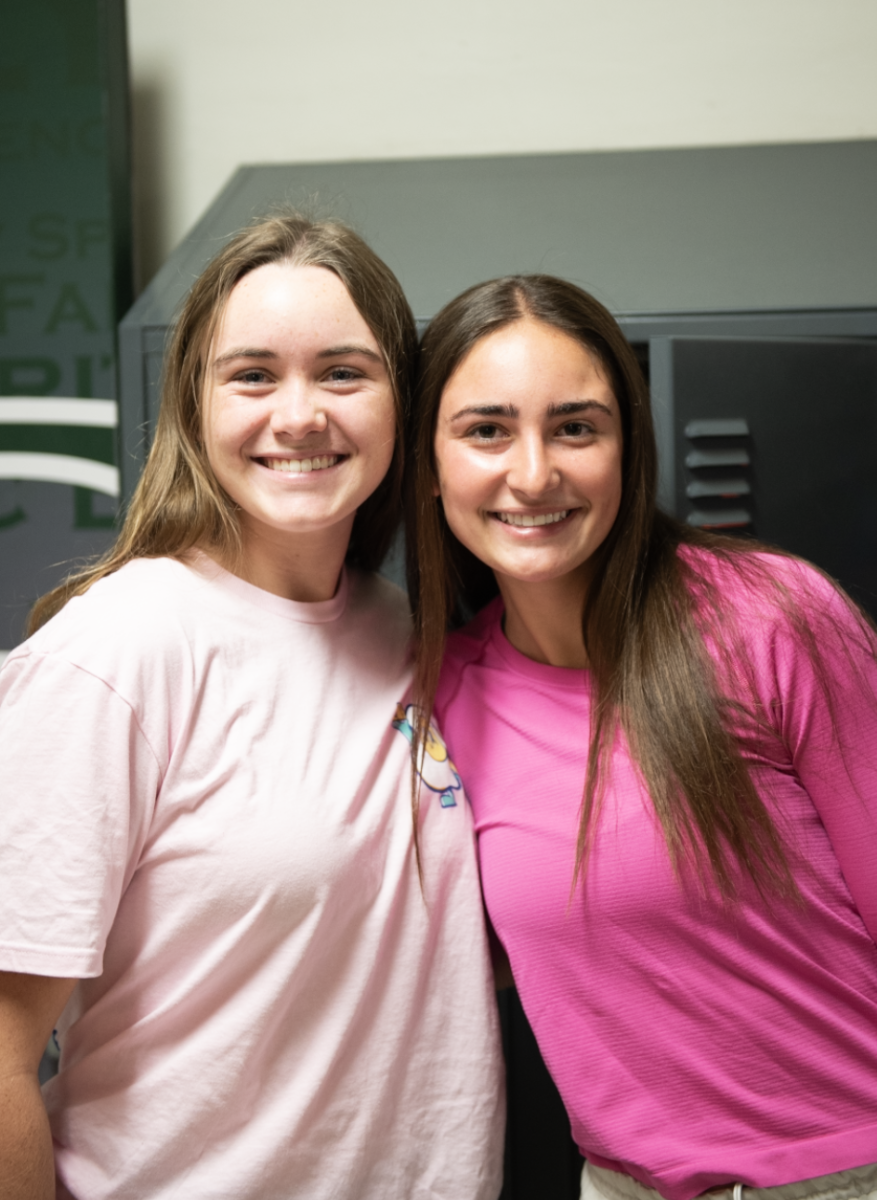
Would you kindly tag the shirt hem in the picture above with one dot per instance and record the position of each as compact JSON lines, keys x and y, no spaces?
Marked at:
{"x":58,"y":963}
{"x":771,"y":1166}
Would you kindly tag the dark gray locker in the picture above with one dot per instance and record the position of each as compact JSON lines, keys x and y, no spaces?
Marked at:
{"x":778,"y":438}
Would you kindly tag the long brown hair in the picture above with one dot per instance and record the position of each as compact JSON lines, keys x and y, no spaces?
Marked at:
{"x":647,"y":611}
{"x":178,"y":503}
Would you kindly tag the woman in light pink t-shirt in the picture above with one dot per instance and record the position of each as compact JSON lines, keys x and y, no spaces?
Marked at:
{"x":669,"y":742}
{"x":268,"y":976}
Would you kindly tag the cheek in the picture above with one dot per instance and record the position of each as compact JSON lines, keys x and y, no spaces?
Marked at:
{"x":462,"y":495}
{"x":447,"y":479}
{"x":219,"y":456}
{"x":447,"y":472}
{"x":377,"y":436}
{"x":456,"y":475}
{"x":224,"y":428}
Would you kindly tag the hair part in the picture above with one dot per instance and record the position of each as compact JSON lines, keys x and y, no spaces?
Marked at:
{"x":178,"y":503}
{"x":645,"y":616}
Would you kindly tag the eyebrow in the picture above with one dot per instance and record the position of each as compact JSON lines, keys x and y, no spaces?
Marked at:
{"x":352,"y":348}
{"x":568,"y":408}
{"x":486,"y":410}
{"x":331,"y":352}
{"x":576,"y":406}
{"x":242,"y":352}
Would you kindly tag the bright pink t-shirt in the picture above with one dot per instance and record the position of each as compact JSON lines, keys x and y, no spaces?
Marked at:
{"x":694,"y":1044}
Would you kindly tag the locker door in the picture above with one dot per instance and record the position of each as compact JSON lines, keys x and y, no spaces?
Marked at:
{"x":777,"y":438}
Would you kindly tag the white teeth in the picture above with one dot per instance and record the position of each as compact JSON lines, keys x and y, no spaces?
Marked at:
{"x":526,"y":520}
{"x":298,"y":466}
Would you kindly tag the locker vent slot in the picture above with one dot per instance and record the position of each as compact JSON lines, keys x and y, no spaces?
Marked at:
{"x":715,"y":445}
{"x":720,"y":518}
{"x":732,"y":428}
{"x":716,"y":458}
{"x":718,"y":487}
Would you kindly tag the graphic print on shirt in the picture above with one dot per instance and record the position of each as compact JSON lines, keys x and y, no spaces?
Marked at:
{"x":435,"y":768}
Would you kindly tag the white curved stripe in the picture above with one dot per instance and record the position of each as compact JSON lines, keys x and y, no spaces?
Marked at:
{"x":26,"y":410}
{"x":60,"y":468}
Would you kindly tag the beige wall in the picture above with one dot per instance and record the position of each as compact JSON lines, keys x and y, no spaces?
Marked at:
{"x":218,"y":83}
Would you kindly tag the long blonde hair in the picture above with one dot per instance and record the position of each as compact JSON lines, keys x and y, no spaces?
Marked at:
{"x":178,"y":503}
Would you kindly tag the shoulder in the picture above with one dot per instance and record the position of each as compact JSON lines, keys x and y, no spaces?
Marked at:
{"x":140,"y":612}
{"x":763,"y":585}
{"x":774,"y":610}
{"x":116,"y":657}
{"x":749,"y":570}
{"x":464,"y":649}
{"x":142,"y":594}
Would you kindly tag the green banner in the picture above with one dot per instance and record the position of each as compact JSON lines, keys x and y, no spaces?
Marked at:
{"x":65,"y":279}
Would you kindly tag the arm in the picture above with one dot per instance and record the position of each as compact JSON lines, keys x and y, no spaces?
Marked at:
{"x":830,"y":727}
{"x":78,"y":781}
{"x":29,"y":1008}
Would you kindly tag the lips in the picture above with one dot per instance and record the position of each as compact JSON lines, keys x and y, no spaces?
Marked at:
{"x":527,"y":520}
{"x":301,"y":466}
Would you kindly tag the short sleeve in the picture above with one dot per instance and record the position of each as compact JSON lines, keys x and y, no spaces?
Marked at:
{"x":78,"y":782}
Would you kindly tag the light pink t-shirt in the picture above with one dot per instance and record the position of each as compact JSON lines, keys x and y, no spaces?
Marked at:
{"x":206,"y":816}
{"x":693,"y":1044}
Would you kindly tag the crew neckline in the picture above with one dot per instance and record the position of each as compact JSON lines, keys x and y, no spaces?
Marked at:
{"x":573,"y":678}
{"x":315,"y":612}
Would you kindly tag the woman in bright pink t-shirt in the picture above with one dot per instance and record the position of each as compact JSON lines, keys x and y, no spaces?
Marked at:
{"x":669,"y":740}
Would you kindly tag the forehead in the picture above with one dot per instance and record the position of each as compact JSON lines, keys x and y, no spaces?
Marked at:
{"x":280,"y":301}
{"x":527,"y":354}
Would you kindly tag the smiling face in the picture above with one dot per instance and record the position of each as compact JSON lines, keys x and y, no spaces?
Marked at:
{"x":299,"y":418}
{"x":528,"y":450}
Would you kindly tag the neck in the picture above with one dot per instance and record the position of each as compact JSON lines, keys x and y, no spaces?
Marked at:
{"x":544,"y":620}
{"x":304,"y":567}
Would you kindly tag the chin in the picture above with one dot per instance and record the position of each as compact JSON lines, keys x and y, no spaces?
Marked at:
{"x":535,"y":574}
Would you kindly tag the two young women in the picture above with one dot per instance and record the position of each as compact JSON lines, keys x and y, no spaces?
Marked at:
{"x":669,"y":742}
{"x":265,"y":985}
{"x":207,"y":860}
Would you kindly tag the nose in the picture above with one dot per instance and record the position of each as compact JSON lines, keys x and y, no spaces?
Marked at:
{"x":298,"y":410}
{"x":531,"y":470}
